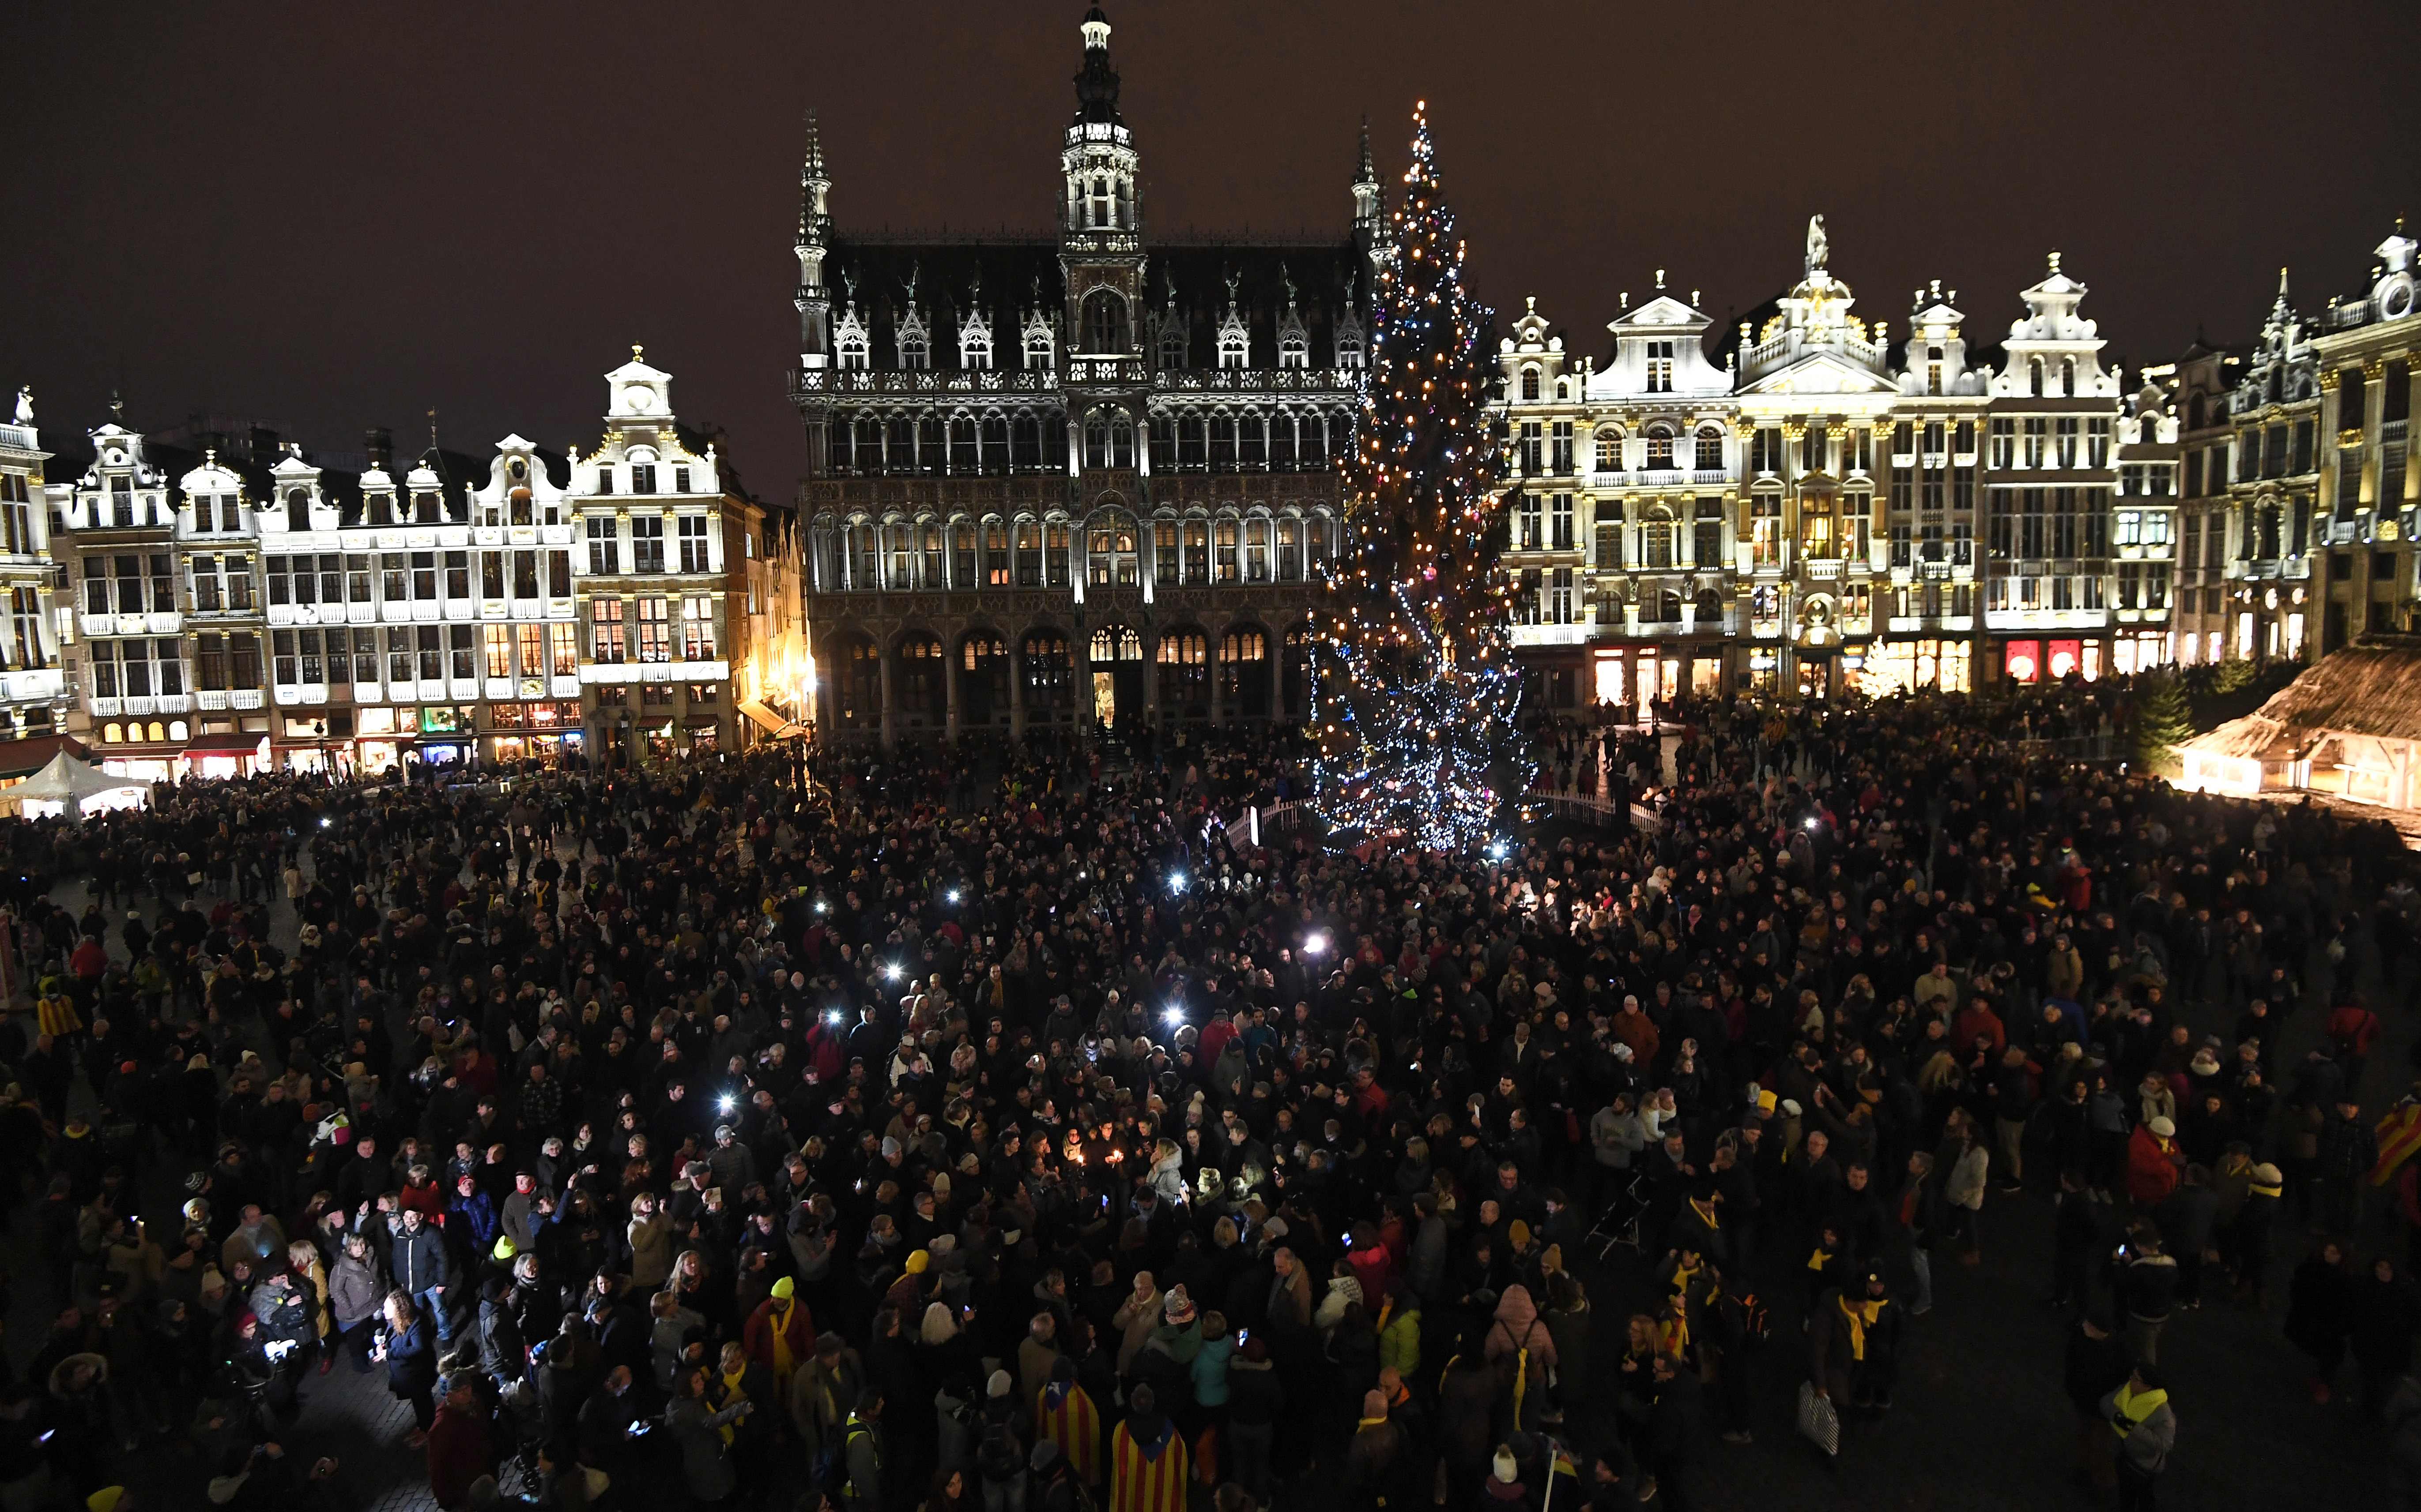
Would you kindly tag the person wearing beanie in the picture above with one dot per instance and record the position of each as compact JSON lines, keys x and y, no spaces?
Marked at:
{"x":1504,"y":1487}
{"x":1377,"y":1459}
{"x":780,"y":1331}
{"x":1148,"y":1465}
{"x":2153,"y":1162}
{"x":1065,"y":1416}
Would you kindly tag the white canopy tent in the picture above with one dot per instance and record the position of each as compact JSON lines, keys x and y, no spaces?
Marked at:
{"x":67,"y":781}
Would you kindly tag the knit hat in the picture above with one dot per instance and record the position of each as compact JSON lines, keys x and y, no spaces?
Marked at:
{"x":1518,"y":1234}
{"x":1253,"y":1349}
{"x":2267,"y":1175}
{"x":1374,"y":1404}
{"x":917,"y":1261}
{"x":1507,"y":1471}
{"x":2163,"y":1127}
{"x":1176,"y":1309}
{"x":785,"y":1288}
{"x":999,"y":1385}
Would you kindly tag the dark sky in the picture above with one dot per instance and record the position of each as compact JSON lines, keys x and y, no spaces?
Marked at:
{"x":338,"y":216}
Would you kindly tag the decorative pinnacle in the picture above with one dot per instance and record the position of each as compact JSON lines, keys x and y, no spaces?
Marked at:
{"x":2054,"y":262}
{"x":1367,"y":173}
{"x":638,"y":352}
{"x":812,"y":168}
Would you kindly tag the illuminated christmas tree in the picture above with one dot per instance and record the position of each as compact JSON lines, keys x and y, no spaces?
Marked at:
{"x":1418,"y":692}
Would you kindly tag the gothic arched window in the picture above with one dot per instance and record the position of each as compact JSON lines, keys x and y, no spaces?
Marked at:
{"x":1530,"y":386}
{"x":1105,"y":321}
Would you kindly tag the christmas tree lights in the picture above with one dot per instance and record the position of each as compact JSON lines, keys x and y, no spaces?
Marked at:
{"x":1417,"y":691}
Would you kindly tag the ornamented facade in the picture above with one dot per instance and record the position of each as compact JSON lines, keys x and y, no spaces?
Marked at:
{"x":1808,"y":508}
{"x":33,"y":686}
{"x":1076,"y":479}
{"x":2367,"y":349}
{"x":242,"y":606}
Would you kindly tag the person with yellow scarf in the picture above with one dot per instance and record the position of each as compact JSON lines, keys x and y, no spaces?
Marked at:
{"x":1853,"y":1346}
{"x":2139,"y":1414}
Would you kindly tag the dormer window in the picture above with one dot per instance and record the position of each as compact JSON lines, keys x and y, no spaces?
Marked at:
{"x":642,"y":477}
{"x":913,"y":351}
{"x":605,"y":477}
{"x":427,"y":508}
{"x":1351,"y":353}
{"x":853,"y":350}
{"x":1234,"y":346}
{"x":378,"y":509}
{"x":1038,"y":350}
{"x":1529,"y":385}
{"x":230,"y":512}
{"x":1172,"y":345}
{"x":1660,"y":368}
{"x":681,"y":480}
{"x":1293,"y":350}
{"x":974,"y":353}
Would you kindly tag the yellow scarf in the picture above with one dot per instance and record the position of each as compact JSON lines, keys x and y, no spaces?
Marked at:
{"x":1819,"y":1260}
{"x":732,"y":1395}
{"x":1705,"y":1210}
{"x":780,"y":1318}
{"x":1673,"y":1334}
{"x":1682,"y":1276}
{"x":2136,"y":1406}
{"x":1862,"y":1317}
{"x":2259,"y":1191}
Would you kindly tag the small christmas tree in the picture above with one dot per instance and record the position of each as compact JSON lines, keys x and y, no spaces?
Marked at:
{"x":2163,"y":719}
{"x":1417,"y":691}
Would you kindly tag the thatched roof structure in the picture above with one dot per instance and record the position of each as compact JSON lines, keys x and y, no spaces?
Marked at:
{"x":2371,"y":688}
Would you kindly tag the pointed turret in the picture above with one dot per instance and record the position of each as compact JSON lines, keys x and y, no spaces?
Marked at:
{"x":815,"y":239}
{"x":1096,"y":83}
{"x":1368,"y":203}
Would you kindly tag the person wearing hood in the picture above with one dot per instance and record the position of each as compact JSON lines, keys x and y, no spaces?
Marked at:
{"x":2139,"y":1414}
{"x":1521,"y":1349}
{"x":1148,"y":1460}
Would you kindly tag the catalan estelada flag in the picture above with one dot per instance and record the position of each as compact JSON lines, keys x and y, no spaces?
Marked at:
{"x":1147,"y":1476}
{"x":1065,"y":1415}
{"x":2399,"y":1138}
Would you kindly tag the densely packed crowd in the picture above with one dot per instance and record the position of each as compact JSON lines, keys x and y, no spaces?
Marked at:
{"x":968,"y":1132}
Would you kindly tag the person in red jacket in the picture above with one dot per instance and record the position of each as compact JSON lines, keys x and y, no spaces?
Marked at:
{"x":780,"y":1334}
{"x":2152,"y":1161}
{"x":458,"y":1450}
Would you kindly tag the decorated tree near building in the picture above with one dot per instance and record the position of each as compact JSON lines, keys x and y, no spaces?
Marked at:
{"x":2163,"y":719}
{"x":1417,"y":691}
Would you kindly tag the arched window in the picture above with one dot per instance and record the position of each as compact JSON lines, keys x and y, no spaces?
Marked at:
{"x":1235,"y":346}
{"x":1105,"y":321}
{"x":1609,"y":450}
{"x":974,"y":350}
{"x":1029,"y":551}
{"x":1659,"y":446}
{"x":2195,"y":412}
{"x":869,"y":444}
{"x":865,"y":556}
{"x":1045,"y":659}
{"x":2035,"y":376}
{"x":1227,"y":538}
{"x":995,"y":444}
{"x":1290,"y":532}
{"x":853,"y":347}
{"x":1530,"y":386}
{"x":1711,"y":449}
{"x":1351,"y":353}
{"x":1183,"y":662}
{"x":1293,"y":350}
{"x":1111,"y":554}
{"x":1256,"y":548}
{"x":1282,"y":449}
{"x":924,"y":681}
{"x":1319,"y":540}
{"x":983,"y":681}
{"x":520,"y":500}
{"x":2068,"y":378}
{"x":1116,"y":643}
{"x":914,"y":349}
{"x":298,"y":499}
{"x":1172,"y":343}
{"x":1102,"y":202}
{"x":858,"y":688}
{"x":1037,"y":347}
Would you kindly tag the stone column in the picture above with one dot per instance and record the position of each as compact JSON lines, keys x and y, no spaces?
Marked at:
{"x":890,"y":702}
{"x":951,"y":653}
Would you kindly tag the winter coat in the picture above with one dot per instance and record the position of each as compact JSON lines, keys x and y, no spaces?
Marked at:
{"x":651,"y":1251}
{"x":355,"y":1290}
{"x":2152,"y":1168}
{"x":1136,"y":1317}
{"x":1399,"y":1341}
{"x":1343,"y":1292}
{"x":705,"y":1464}
{"x":1516,"y":1328}
{"x":2146,"y":1446}
{"x":1210,"y":1370}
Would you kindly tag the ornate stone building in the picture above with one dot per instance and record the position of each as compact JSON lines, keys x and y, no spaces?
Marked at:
{"x":1812,"y":507}
{"x":1075,"y":478}
{"x":33,"y":686}
{"x":2272,"y":487}
{"x":2367,"y":349}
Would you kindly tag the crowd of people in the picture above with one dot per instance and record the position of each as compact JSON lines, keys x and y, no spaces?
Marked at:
{"x":981,"y":1133}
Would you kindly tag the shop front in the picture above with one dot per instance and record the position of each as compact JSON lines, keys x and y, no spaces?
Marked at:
{"x":445,"y":736}
{"x":1633,"y":679}
{"x":1924,"y":665}
{"x":547,"y":731}
{"x":236,"y":753}
{"x":2052,"y":660}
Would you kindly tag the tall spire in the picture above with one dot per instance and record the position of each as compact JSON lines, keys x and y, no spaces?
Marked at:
{"x":1370,"y":207}
{"x":814,"y":184}
{"x":1096,"y":83}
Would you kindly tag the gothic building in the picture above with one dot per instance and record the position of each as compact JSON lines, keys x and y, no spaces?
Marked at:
{"x":2367,"y":348}
{"x":2275,"y":412}
{"x":1073,"y":478}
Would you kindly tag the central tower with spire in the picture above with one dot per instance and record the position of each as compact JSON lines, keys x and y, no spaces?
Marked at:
{"x":1101,"y":240}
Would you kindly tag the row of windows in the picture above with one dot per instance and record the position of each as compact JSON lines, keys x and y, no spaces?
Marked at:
{"x":2034,"y":522}
{"x":998,"y":444}
{"x":1111,"y":549}
{"x":341,"y":656}
{"x":364,"y":578}
{"x":1104,"y":331}
{"x":619,"y":634}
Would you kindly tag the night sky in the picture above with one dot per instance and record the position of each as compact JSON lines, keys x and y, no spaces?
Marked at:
{"x":337,"y":216}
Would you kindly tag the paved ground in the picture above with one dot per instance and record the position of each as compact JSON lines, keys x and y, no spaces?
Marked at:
{"x":1980,"y":1422}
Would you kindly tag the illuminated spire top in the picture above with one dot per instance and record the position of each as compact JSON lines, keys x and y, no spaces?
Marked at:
{"x":1096,"y":83}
